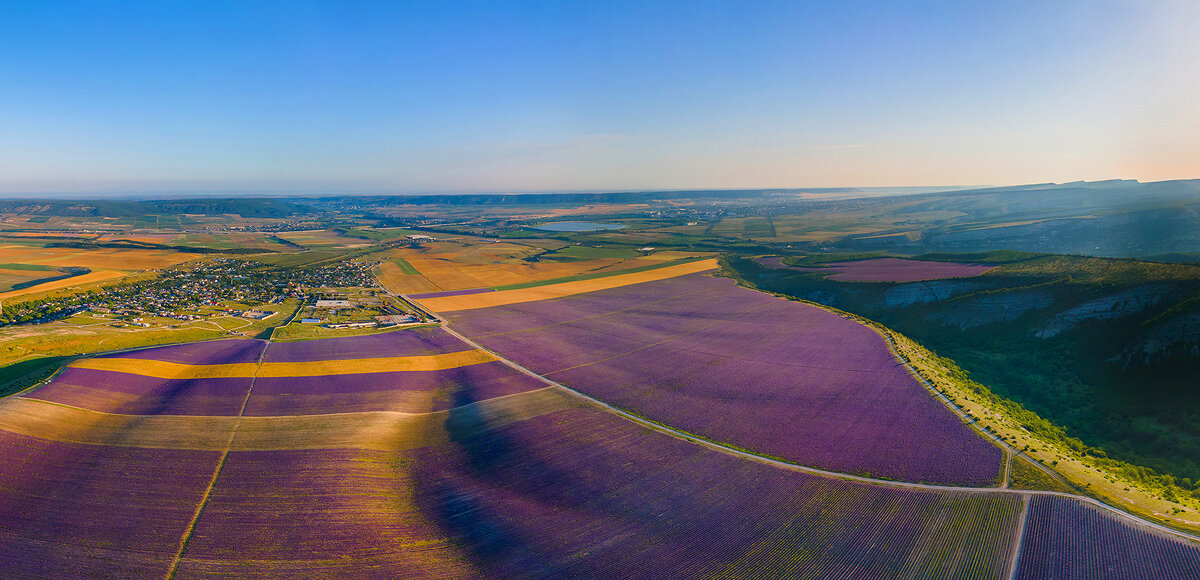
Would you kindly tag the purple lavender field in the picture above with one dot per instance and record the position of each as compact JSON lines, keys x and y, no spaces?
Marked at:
{"x":743,"y":367}
{"x":1066,"y":539}
{"x":585,"y":494}
{"x":410,"y":391}
{"x":234,"y":350}
{"x":321,"y":513}
{"x":88,"y":511}
{"x":113,"y":392}
{"x":413,"y":342}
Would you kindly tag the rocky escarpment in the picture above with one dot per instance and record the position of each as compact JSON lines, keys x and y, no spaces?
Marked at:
{"x":990,"y":308}
{"x":926,"y":291}
{"x":1179,"y":337}
{"x":1109,"y":307}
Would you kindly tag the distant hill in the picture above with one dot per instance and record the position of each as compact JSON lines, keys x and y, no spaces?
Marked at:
{"x":1118,"y":218}
{"x":245,"y":207}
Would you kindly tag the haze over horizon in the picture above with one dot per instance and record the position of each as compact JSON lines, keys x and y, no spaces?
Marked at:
{"x":380,"y":97}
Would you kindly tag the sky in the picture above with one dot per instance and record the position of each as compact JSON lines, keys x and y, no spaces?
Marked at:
{"x":414,"y":97}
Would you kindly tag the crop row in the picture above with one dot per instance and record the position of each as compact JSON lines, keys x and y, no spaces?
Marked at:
{"x":584,"y":494}
{"x":234,"y":350}
{"x":88,"y":511}
{"x":742,"y":367}
{"x":1066,"y":539}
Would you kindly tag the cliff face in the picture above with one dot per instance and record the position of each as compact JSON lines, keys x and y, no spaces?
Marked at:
{"x":927,"y":291}
{"x":990,"y":308}
{"x":1176,"y":338}
{"x":1109,"y":307}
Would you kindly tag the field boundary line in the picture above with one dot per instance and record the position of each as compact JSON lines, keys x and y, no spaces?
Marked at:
{"x":191,"y":527}
{"x":1019,"y":537}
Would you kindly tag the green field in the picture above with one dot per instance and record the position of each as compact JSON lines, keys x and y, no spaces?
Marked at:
{"x":405,"y":266}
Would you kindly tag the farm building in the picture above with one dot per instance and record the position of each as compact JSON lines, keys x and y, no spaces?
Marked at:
{"x":334,"y":304}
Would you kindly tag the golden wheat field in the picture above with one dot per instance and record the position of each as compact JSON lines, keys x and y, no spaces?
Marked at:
{"x":550,"y":291}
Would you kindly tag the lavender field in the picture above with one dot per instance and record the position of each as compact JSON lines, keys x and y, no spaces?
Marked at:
{"x":321,"y":513}
{"x":409,"y":391}
{"x":1066,"y":539}
{"x":745,"y":368}
{"x":87,"y":511}
{"x":586,"y":494}
{"x":114,"y":392}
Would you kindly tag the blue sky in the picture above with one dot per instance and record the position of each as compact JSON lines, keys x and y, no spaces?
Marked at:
{"x":335,"y":97}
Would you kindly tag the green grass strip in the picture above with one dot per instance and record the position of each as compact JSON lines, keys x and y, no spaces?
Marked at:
{"x":33,"y":267}
{"x":406,"y":267}
{"x":597,"y":274}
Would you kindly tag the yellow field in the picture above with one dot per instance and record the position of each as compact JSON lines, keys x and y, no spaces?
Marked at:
{"x":549,"y":291}
{"x":170,"y":370}
{"x":374,"y":430}
{"x":91,"y":278}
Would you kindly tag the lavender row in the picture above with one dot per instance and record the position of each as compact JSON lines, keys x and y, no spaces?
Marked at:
{"x":585,"y":494}
{"x":1067,"y":539}
{"x":411,"y":342}
{"x":114,"y":392}
{"x":412,"y":391}
{"x":304,"y":514}
{"x":233,"y":350}
{"x":738,"y":366}
{"x":85,"y":511}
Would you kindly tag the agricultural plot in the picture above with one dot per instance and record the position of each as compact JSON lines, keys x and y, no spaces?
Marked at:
{"x":412,"y":342}
{"x":744,"y":368}
{"x":96,"y":259}
{"x":581,"y":493}
{"x":549,"y":291}
{"x":429,"y":370}
{"x":74,"y":281}
{"x":1068,"y":539}
{"x":88,"y":511}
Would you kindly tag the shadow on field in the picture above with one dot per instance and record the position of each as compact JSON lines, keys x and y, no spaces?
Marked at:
{"x":479,"y":491}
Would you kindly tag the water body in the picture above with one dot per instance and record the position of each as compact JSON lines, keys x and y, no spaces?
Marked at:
{"x":577,"y":226}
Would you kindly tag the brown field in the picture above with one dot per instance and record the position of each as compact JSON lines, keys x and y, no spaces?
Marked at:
{"x":99,"y":258}
{"x":394,"y":279}
{"x":85,"y":279}
{"x":374,"y":430}
{"x":170,"y":370}
{"x":501,"y":298}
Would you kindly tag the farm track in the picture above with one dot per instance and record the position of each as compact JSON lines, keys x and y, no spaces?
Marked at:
{"x":1018,"y":537}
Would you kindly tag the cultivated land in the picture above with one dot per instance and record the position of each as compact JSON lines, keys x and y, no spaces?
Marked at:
{"x":590,"y":404}
{"x":499,"y":479}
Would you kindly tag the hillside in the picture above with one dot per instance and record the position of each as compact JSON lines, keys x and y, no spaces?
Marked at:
{"x":1107,"y":348}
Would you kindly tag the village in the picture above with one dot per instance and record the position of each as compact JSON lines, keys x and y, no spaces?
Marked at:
{"x":341,"y":295}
